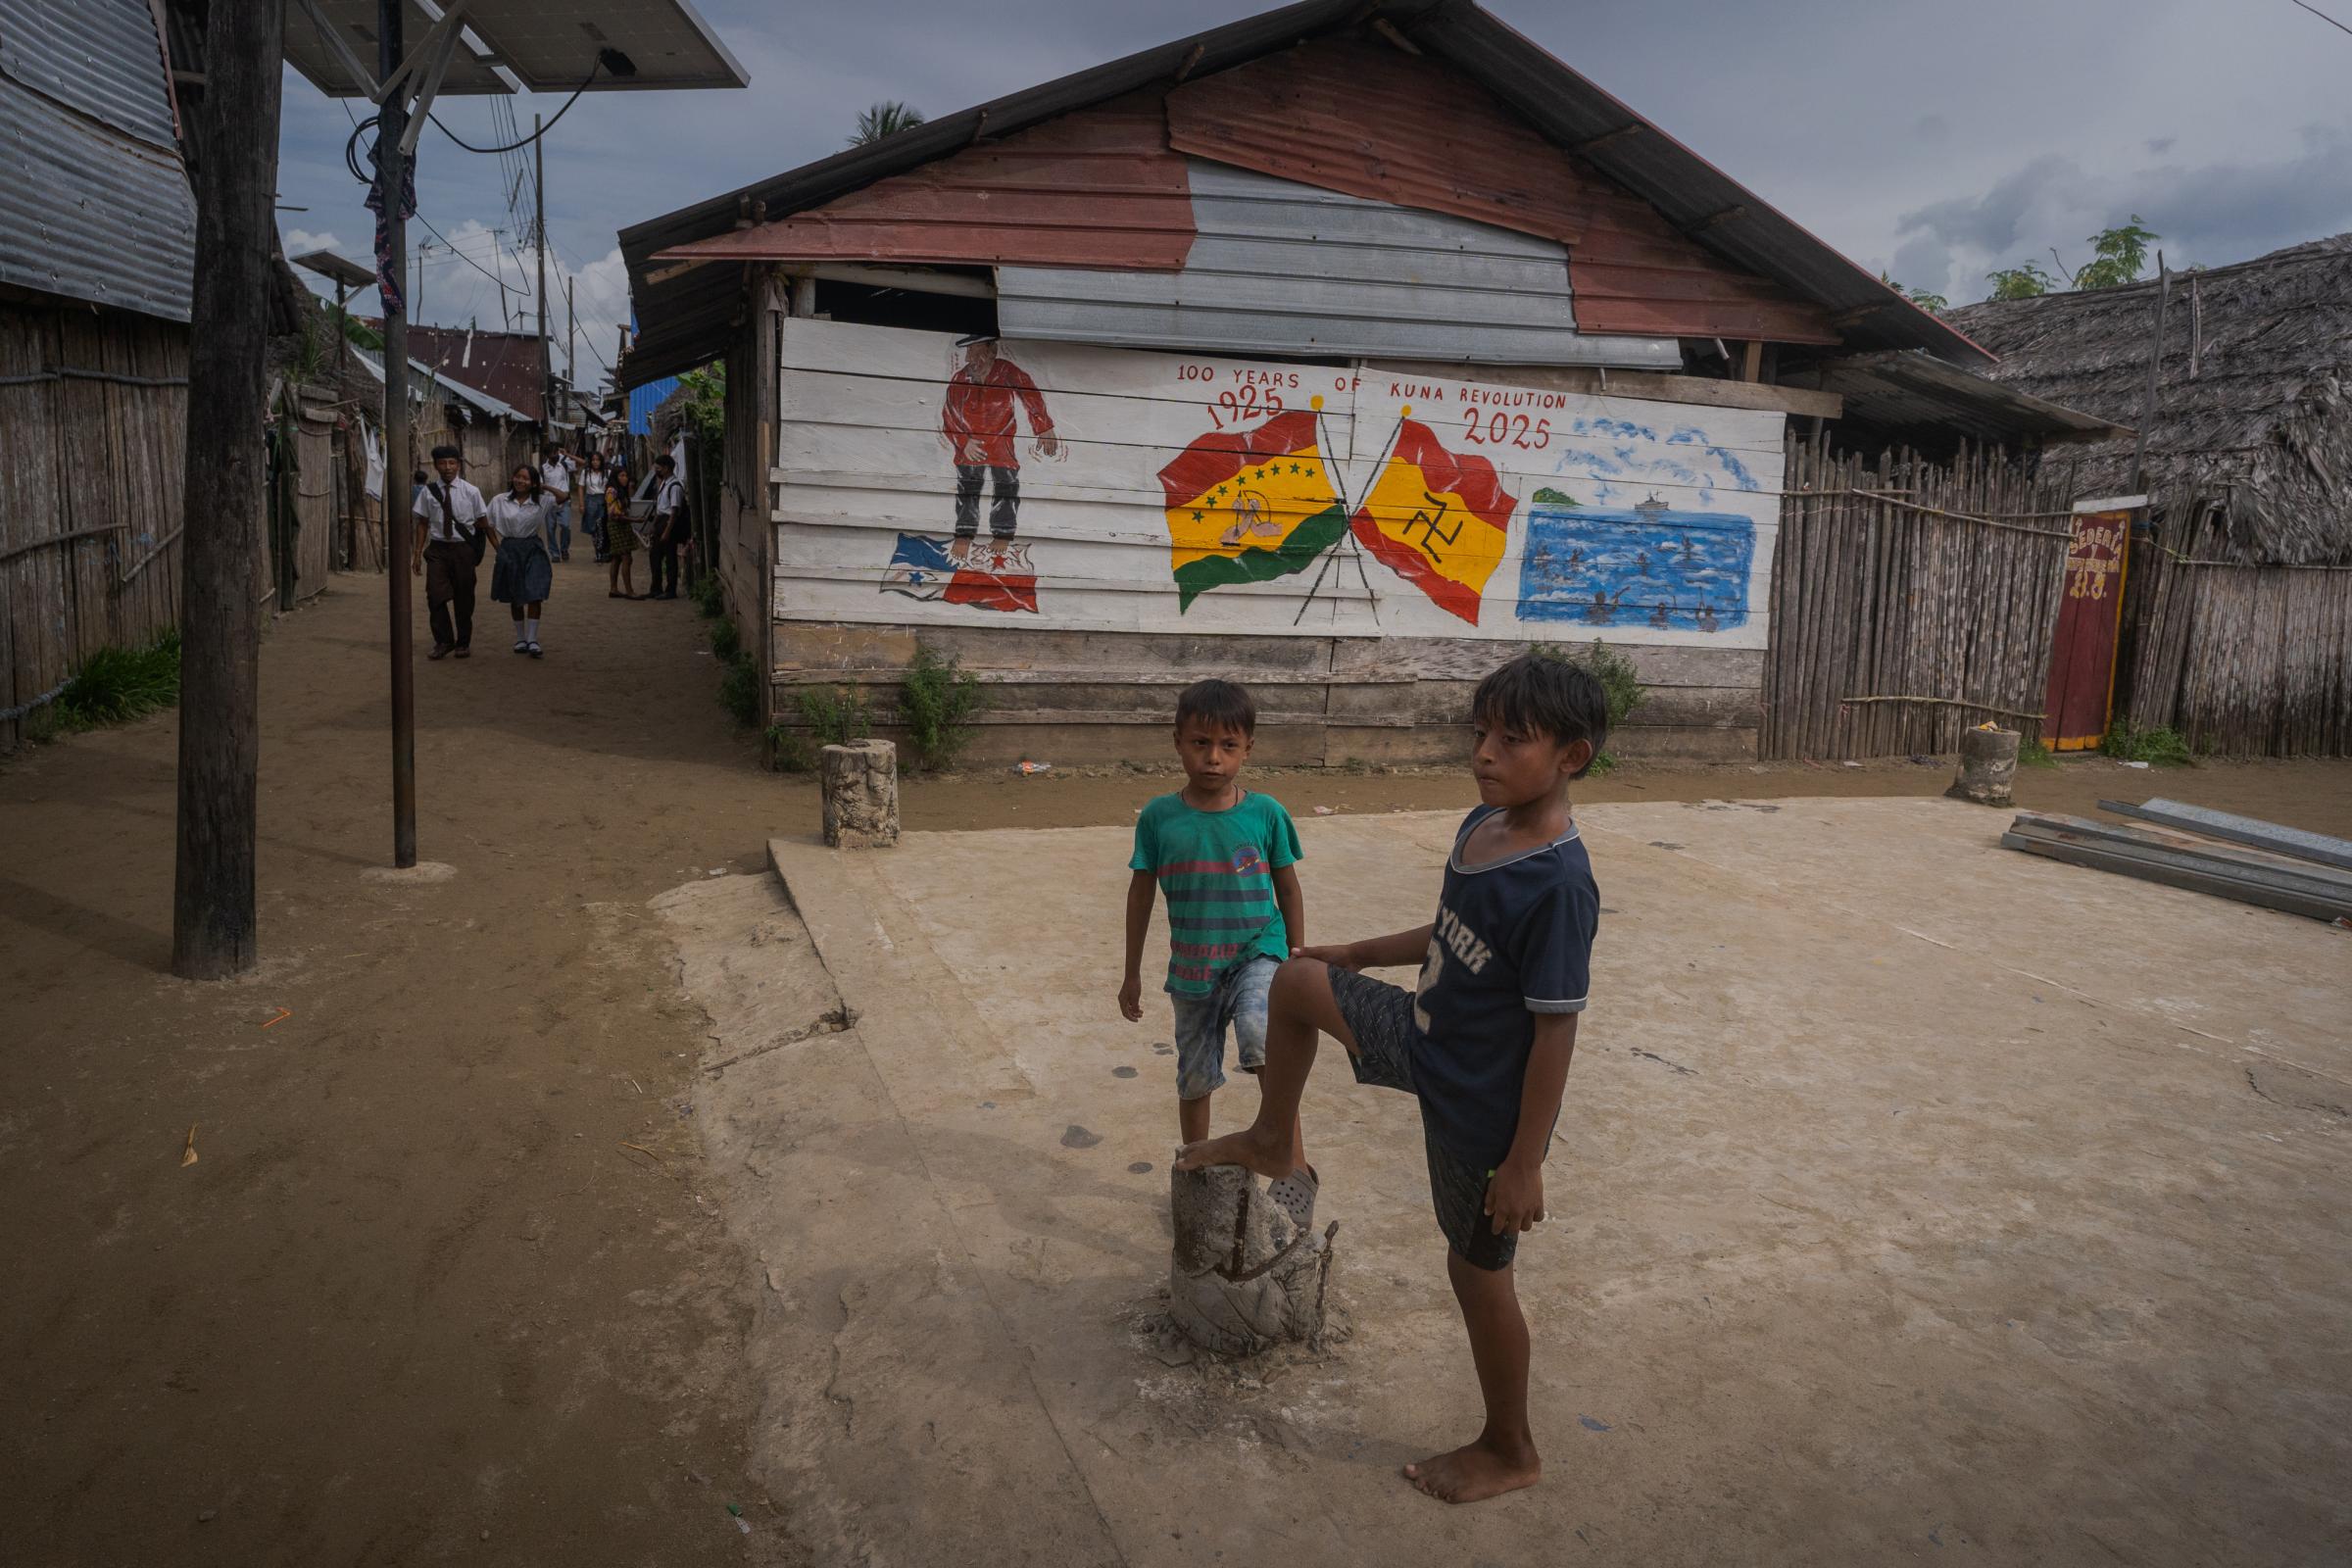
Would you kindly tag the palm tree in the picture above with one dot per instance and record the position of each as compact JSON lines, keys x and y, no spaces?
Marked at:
{"x":885,"y":118}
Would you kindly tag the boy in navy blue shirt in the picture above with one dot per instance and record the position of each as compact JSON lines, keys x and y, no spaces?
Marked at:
{"x":1483,"y":1043}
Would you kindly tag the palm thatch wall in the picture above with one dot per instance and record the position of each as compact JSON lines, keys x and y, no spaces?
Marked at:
{"x":2249,"y":452}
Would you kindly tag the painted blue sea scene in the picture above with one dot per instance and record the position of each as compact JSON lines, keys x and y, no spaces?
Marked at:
{"x":1647,"y":565}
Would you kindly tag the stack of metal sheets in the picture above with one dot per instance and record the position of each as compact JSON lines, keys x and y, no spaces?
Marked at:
{"x":2239,"y":857}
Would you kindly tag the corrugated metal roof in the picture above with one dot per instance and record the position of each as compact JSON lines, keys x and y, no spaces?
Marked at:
{"x":1365,"y":118}
{"x":1910,"y":390}
{"x":1290,"y":268}
{"x":688,"y":316}
{"x":1438,"y":140}
{"x":1099,"y":189}
{"x":94,"y":204}
{"x":505,"y":365}
{"x":426,"y":381}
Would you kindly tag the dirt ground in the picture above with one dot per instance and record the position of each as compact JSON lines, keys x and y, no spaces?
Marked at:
{"x":448,"y":1280}
{"x":1911,"y":1196}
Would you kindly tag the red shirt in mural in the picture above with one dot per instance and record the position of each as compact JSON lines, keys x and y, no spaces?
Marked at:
{"x":979,"y":407}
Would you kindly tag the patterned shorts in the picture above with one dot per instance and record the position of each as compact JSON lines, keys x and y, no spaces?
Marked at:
{"x":1381,"y":1017}
{"x":1239,"y":1002}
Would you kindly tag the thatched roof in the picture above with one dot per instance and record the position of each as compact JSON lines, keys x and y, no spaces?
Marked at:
{"x":2250,"y":450}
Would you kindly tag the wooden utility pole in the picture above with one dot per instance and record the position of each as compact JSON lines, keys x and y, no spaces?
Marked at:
{"x":547,"y":393}
{"x":572,"y":329}
{"x":399,"y":459}
{"x":213,"y":899}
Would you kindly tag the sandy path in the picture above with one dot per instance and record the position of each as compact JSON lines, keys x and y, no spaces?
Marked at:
{"x":416,"y":1289}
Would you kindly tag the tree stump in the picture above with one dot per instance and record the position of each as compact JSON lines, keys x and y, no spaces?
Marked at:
{"x":1243,"y":1278}
{"x":859,"y":784}
{"x":1988,"y":767}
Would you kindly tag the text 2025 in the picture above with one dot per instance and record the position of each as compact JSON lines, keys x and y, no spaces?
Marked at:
{"x":1506,"y":429}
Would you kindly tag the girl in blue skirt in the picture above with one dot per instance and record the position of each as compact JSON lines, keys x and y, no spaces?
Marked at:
{"x":523,"y":574}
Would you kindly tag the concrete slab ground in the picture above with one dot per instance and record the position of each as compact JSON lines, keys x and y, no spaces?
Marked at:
{"x":1915,"y":1199}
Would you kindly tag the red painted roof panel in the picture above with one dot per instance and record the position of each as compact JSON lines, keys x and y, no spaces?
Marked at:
{"x":1100,"y":188}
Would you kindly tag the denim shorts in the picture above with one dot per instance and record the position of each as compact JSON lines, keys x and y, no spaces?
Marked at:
{"x":1381,"y":1017}
{"x":1238,"y":1003}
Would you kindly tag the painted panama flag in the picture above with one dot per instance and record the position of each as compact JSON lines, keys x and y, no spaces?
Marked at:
{"x":1440,"y":520}
{"x":1249,"y":506}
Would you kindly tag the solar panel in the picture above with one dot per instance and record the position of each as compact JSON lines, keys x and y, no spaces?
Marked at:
{"x":512,"y":44}
{"x":344,"y":270}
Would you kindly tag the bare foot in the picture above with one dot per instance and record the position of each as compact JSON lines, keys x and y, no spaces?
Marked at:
{"x":1266,"y":1153}
{"x":1475,"y":1470}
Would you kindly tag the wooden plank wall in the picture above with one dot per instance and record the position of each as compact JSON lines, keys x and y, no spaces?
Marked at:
{"x":88,"y":552}
{"x":1355,"y":662}
{"x":1909,"y":602}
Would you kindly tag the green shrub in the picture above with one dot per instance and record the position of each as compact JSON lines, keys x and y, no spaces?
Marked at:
{"x":1618,"y":683}
{"x":739,"y":688}
{"x":937,"y":701}
{"x":114,"y":686}
{"x":2159,"y":744}
{"x":710,"y":597}
{"x":2033,"y":753}
{"x":788,"y":752}
{"x":726,"y":641}
{"x":838,"y":717}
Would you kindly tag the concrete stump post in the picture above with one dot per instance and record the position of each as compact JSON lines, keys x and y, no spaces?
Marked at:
{"x":858,"y":785}
{"x":1988,"y":767}
{"x":1243,"y":1277}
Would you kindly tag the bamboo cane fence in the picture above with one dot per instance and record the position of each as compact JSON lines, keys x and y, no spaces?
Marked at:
{"x":1910,"y":601}
{"x":2242,"y":660}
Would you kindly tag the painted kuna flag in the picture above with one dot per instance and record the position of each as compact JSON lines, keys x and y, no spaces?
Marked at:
{"x":997,"y":577}
{"x":1249,"y":506}
{"x":1439,"y":520}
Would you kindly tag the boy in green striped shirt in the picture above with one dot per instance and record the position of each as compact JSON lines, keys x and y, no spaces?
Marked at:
{"x":1225,"y":857}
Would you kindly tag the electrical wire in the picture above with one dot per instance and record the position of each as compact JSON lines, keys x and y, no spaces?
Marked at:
{"x":595,"y":66}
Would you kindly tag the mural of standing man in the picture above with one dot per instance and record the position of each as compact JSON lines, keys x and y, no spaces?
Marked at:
{"x":981,"y":433}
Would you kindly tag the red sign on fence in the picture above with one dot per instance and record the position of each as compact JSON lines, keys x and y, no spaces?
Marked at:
{"x":2090,"y":620}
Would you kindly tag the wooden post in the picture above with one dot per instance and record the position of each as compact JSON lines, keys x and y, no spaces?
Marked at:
{"x":857,"y":786}
{"x":1244,"y":1276}
{"x":213,"y":900}
{"x":400,"y":450}
{"x":1988,"y":767}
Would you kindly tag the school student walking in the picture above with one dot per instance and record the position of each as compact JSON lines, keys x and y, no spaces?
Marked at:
{"x":554,"y":481}
{"x":593,"y":478}
{"x":524,"y":571}
{"x":446,"y":552}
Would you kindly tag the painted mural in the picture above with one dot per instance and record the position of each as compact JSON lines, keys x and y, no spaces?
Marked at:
{"x":1648,"y":564}
{"x":1125,"y":490}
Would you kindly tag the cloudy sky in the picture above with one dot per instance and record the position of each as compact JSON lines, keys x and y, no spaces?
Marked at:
{"x":1931,"y":141}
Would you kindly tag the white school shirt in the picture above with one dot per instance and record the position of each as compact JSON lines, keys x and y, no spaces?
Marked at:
{"x":556,"y":477}
{"x":669,"y":496}
{"x":517,"y":519}
{"x":465,"y":507}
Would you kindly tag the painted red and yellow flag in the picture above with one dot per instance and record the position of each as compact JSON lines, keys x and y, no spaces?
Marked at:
{"x":1249,"y":506}
{"x":1439,"y":520}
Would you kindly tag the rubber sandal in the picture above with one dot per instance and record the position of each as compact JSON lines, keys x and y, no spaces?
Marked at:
{"x":534,"y":650}
{"x":1296,"y":1192}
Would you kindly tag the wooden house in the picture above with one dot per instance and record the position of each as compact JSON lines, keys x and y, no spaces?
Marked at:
{"x":2239,"y":613}
{"x":1346,"y":350}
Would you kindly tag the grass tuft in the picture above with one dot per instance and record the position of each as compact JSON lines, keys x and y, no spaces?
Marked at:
{"x":115,"y":686}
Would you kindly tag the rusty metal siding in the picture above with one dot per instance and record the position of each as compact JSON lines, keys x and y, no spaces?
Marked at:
{"x":1096,"y":189}
{"x":99,"y":57}
{"x":94,"y":204}
{"x":1289,"y":268}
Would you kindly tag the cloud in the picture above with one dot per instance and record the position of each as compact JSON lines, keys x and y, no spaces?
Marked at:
{"x":2213,"y":213}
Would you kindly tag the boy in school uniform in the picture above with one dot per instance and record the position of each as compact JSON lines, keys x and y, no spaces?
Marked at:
{"x":1483,"y":1043}
{"x":447,"y":553}
{"x":1225,"y":857}
{"x":554,"y":478}
{"x":670,"y":526}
